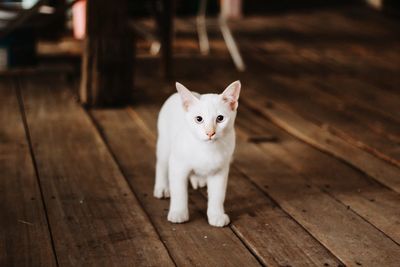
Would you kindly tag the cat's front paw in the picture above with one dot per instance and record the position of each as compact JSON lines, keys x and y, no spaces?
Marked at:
{"x":218,"y":220}
{"x":161,"y":192}
{"x":178,"y":216}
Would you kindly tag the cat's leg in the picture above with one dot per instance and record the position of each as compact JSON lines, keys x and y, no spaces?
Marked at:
{"x":197,"y":181}
{"x":161,"y":187}
{"x":178,"y":184}
{"x":216,"y":188}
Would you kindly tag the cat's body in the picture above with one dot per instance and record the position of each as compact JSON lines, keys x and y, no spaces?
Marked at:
{"x":201,"y":151}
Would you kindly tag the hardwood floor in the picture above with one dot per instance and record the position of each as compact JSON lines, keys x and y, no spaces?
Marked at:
{"x":316,"y":175}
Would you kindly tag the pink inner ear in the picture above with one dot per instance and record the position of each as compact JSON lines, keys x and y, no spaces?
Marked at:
{"x":187,"y":100}
{"x":231,"y":94}
{"x":186,"y":105}
{"x":232,"y":102}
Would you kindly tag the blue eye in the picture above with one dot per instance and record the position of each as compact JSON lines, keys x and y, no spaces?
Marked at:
{"x":198,"y":119}
{"x":220,"y":118}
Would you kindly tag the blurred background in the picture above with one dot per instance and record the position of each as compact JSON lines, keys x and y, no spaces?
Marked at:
{"x":39,"y":33}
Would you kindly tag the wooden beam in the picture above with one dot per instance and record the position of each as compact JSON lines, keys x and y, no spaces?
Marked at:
{"x":108,"y":54}
{"x":164,"y":14}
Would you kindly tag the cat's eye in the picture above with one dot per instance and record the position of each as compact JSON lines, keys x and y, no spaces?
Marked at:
{"x":198,"y":119}
{"x":220,"y":118}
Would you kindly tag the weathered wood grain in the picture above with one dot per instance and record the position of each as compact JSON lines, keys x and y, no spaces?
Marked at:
{"x":336,"y":51}
{"x":372,"y":201}
{"x":374,"y":132}
{"x":361,"y":93}
{"x":24,"y":234}
{"x":350,"y":238}
{"x":363,"y":127}
{"x":269,"y":232}
{"x":322,"y":138}
{"x":95,"y":218}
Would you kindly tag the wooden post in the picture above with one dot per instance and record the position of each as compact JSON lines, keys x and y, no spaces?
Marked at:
{"x":108,"y":54}
{"x":164,"y":14}
{"x":167,"y":32}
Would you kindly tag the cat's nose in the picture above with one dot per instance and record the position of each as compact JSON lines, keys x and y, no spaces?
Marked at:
{"x":210,"y":134}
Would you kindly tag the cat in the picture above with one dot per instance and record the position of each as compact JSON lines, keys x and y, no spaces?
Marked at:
{"x":196,"y":141}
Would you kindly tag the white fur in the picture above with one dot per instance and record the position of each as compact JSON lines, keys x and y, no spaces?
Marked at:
{"x":200,"y":152}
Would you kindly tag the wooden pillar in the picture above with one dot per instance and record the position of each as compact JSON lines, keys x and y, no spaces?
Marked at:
{"x":108,"y":54}
{"x":167,"y":32}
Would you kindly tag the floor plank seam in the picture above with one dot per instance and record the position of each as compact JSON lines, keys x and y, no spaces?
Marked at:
{"x":359,"y":215}
{"x":326,"y":151}
{"x":18,"y":89}
{"x":287,"y":213}
{"x":363,"y":146}
{"x":104,"y":139}
{"x":321,"y":188}
{"x":342,"y":134}
{"x":361,"y":104}
{"x":365,"y":175}
{"x":243,"y":240}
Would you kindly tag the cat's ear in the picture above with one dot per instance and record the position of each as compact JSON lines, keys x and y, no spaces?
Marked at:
{"x":187,"y":97}
{"x":231,"y":94}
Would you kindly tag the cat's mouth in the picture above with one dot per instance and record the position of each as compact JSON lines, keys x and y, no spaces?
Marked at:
{"x":210,"y":140}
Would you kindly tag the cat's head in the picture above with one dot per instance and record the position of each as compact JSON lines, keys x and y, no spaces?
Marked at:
{"x":210,"y":116}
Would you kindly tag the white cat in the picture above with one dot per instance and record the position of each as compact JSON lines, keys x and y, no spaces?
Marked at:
{"x":196,"y":140}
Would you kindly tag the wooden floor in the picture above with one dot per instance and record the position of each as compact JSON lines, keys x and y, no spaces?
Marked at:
{"x":316,"y":176}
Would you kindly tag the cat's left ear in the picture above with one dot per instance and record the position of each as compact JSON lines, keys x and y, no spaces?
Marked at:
{"x":231,"y":94}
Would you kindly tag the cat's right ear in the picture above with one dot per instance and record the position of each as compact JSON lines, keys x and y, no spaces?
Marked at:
{"x":187,"y":97}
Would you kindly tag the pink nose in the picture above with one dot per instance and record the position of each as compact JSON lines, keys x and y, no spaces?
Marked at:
{"x":210,"y":134}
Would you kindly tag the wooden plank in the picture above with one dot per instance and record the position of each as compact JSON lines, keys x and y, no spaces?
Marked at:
{"x":323,"y":139}
{"x":371,"y":131}
{"x":368,"y":46}
{"x":375,"y":203}
{"x":269,"y":232}
{"x":333,"y":46}
{"x":372,"y":126}
{"x":108,"y":54}
{"x":195,"y":242}
{"x":350,"y":238}
{"x":95,"y":218}
{"x":24,"y":234}
{"x":362,"y":94}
